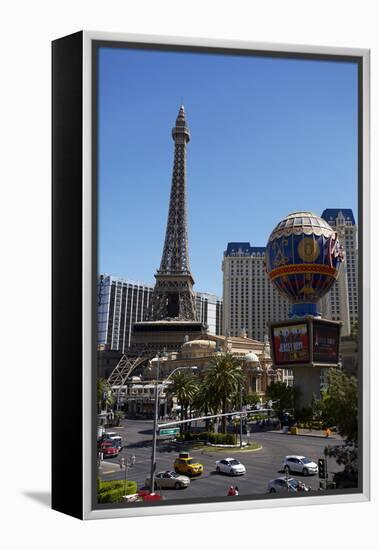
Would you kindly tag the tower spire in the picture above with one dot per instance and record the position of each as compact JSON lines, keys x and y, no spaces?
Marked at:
{"x":173,"y":297}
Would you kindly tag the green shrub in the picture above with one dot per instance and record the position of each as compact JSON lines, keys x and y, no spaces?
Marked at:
{"x":113,"y":491}
{"x":215,"y":438}
{"x":193,"y":436}
{"x":222,"y":439}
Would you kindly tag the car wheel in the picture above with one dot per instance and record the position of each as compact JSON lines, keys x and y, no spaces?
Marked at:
{"x":305,"y":472}
{"x":272,"y":490}
{"x":287,"y":470}
{"x":177,"y":485}
{"x":218,"y":470}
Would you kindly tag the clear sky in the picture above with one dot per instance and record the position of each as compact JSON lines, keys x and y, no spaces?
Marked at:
{"x":269,"y":136}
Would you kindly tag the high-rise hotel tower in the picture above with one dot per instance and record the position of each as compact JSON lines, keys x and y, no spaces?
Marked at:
{"x":341,"y":303}
{"x":250,"y":301}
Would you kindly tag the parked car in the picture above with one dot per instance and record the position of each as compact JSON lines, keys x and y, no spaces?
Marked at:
{"x":302,"y":464}
{"x":146,"y":495}
{"x":286,"y":485}
{"x":108,"y":448}
{"x":230,"y":466}
{"x":165,"y":480}
{"x":115,"y":437}
{"x":186,"y":465}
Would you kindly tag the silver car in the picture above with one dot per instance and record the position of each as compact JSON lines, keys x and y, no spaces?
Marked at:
{"x":168,"y":480}
{"x":115,"y":437}
{"x":286,"y":485}
{"x":301,"y":464}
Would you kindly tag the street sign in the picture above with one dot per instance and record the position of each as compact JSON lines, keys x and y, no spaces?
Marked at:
{"x":169,"y":431}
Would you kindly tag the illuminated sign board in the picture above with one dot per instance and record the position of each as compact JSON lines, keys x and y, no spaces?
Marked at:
{"x":309,"y":342}
{"x":326,"y":339}
{"x":291,"y":344}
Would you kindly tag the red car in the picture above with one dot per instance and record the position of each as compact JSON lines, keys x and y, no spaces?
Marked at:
{"x":108,"y":448}
{"x":146,"y":495}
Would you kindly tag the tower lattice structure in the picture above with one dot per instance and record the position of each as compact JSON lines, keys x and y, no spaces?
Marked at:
{"x":173,"y":297}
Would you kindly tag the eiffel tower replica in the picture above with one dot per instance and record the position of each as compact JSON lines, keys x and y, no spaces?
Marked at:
{"x":172,"y":310}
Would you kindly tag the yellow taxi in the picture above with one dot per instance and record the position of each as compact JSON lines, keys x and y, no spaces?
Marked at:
{"x":186,"y":465}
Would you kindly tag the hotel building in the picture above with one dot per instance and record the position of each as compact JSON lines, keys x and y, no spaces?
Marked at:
{"x":250,"y":301}
{"x":341,"y":303}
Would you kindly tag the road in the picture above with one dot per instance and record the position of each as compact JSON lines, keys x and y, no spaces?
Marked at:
{"x":261,"y":465}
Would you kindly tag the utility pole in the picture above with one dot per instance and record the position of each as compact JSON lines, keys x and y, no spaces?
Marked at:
{"x":125,"y":464}
{"x":241,"y":415}
{"x":155,"y":424}
{"x":154,"y":446}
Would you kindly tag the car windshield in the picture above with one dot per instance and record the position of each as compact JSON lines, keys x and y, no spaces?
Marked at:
{"x":293,"y":483}
{"x":173,"y":474}
{"x":306,"y":460}
{"x":190,"y":461}
{"x":234,"y":462}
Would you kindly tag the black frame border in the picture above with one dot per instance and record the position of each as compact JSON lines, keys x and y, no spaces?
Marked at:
{"x":67,"y":265}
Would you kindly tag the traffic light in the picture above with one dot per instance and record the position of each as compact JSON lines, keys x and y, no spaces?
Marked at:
{"x":322,"y":468}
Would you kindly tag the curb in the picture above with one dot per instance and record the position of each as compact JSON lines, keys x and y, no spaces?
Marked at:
{"x":319,"y":436}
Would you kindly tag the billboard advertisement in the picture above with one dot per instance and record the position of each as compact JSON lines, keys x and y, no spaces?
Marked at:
{"x":291,"y":344}
{"x":325,"y":343}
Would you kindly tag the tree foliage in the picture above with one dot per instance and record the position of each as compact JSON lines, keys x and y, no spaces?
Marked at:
{"x":346,"y":455}
{"x":340,"y":404}
{"x":354,"y":333}
{"x":223,"y":380}
{"x":105,"y":398}
{"x":251,"y":399}
{"x":282,"y":396}
{"x":185,"y":387}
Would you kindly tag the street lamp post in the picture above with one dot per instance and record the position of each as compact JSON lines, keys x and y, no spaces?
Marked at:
{"x":155,"y":424}
{"x":124,"y":463}
{"x":241,"y":416}
{"x":154,"y":446}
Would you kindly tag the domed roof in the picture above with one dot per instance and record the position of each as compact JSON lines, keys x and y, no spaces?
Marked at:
{"x":251,"y":357}
{"x":199,"y":344}
{"x":299,"y":223}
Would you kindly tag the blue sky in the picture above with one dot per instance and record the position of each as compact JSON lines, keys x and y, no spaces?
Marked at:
{"x":269,"y":136}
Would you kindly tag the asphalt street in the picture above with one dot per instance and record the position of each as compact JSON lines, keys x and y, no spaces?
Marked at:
{"x":261,"y":465}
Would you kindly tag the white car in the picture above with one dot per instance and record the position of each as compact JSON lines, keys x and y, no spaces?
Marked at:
{"x":230,"y":466}
{"x":302,"y":464}
{"x":115,"y":437}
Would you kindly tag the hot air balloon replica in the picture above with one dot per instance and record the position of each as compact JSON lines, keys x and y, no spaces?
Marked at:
{"x":303,"y":257}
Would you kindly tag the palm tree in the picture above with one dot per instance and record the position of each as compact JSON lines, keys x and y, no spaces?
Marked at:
{"x":105,"y":398}
{"x":205,"y":401}
{"x":224,"y":378}
{"x":184,"y":386}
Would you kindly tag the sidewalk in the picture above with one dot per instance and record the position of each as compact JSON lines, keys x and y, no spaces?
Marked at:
{"x":108,"y":467}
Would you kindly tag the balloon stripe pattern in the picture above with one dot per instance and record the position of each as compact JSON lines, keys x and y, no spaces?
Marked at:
{"x":303,"y":257}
